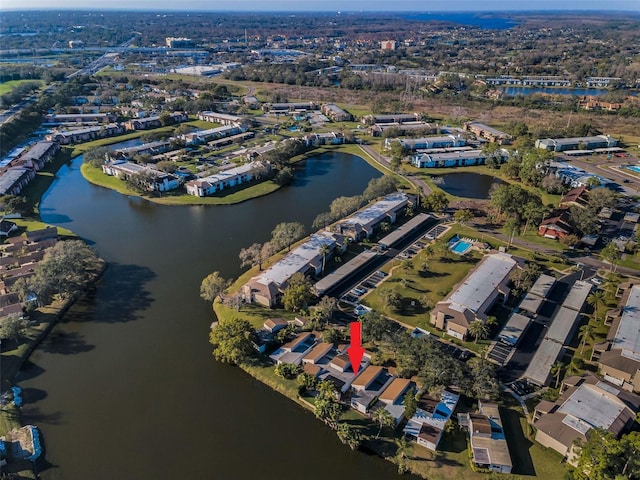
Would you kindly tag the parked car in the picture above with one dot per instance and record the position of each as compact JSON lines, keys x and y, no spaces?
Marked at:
{"x":359,"y":291}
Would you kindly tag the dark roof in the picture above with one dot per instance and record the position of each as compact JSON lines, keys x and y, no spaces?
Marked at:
{"x":480,"y":424}
{"x":558,"y":220}
{"x":576,"y":196}
{"x":614,"y":359}
{"x":429,"y":433}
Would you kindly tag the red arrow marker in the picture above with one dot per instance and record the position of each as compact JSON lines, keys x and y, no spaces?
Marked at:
{"x":355,"y":351}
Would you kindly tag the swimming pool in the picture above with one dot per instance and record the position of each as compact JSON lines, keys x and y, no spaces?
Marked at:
{"x":461,"y":247}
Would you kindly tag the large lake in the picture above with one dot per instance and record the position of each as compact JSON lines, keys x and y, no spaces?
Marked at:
{"x":126,"y":388}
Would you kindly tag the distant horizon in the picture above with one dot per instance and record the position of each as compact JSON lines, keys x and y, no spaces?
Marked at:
{"x":311,"y":6}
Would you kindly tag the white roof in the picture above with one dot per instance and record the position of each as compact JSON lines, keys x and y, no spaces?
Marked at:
{"x":466,"y":154}
{"x":377,"y":211}
{"x":227,"y":174}
{"x":628,"y":334}
{"x":563,"y":325}
{"x":592,"y":405}
{"x":222,"y":116}
{"x":577,"y":295}
{"x":446,"y":406}
{"x":480,"y":285}
{"x":296,"y":260}
{"x":210,"y":131}
{"x":540,"y":366}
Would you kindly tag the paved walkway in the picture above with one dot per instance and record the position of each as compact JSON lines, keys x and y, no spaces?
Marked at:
{"x":418,"y":183}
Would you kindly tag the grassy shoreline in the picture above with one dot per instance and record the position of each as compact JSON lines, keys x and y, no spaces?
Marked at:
{"x":230,"y":197}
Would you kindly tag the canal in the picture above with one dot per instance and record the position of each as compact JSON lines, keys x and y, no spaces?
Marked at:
{"x":126,"y":387}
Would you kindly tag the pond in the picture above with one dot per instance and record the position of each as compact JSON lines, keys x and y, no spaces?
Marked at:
{"x":468,"y":184}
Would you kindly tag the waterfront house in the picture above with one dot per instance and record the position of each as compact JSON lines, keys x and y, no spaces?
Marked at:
{"x":85,"y":134}
{"x":13,"y":180}
{"x":295,"y":350}
{"x":328,"y":138}
{"x":428,"y":423}
{"x":489,"y":446}
{"x":362,"y":223}
{"x":392,"y":397}
{"x":367,"y":386}
{"x":460,"y":158}
{"x":273,"y":325}
{"x":318,"y":353}
{"x":37,"y":156}
{"x":157,"y":181}
{"x":212,"y":184}
{"x":267,"y":287}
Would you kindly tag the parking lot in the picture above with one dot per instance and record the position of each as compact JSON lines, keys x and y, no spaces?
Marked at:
{"x":500,"y":353}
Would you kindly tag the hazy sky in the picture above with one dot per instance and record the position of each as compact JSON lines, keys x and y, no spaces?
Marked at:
{"x":326,"y":5}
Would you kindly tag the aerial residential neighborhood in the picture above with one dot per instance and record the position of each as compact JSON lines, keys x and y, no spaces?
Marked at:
{"x":411,"y":238}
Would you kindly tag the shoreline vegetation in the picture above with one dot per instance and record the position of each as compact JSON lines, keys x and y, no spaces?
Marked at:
{"x":229,"y":197}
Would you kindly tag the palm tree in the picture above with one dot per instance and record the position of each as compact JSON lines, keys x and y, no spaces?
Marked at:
{"x":585,"y":333}
{"x":491,"y":321}
{"x":556,"y":371}
{"x":401,"y":443}
{"x":384,"y":419}
{"x":324,"y":250}
{"x":478,"y":330}
{"x":596,"y":300}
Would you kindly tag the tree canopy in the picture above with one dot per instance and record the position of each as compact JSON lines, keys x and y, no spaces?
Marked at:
{"x":232,"y":341}
{"x":65,"y":270}
{"x":212,"y":286}
{"x":286,"y":233}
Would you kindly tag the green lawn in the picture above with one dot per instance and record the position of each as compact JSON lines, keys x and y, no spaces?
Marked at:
{"x":255,"y":314}
{"x":202,"y":124}
{"x":6,"y":87}
{"x":413,"y":286}
{"x":80,"y":148}
{"x":9,"y":418}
